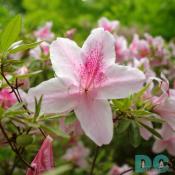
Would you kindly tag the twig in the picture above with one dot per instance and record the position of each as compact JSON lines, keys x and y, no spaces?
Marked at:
{"x":124,"y":172}
{"x":94,"y":160}
{"x":13,"y":147}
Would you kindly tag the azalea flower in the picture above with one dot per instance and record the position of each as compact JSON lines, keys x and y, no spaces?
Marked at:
{"x":86,"y":78}
{"x":78,"y":155}
{"x":43,"y":161}
{"x":108,"y":25}
{"x":7,"y":99}
{"x":139,"y":48}
{"x":121,"y":50}
{"x":164,"y":105}
{"x":167,"y":142}
{"x":44,"y":32}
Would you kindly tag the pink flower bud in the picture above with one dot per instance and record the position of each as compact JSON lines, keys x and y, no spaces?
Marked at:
{"x":43,"y":161}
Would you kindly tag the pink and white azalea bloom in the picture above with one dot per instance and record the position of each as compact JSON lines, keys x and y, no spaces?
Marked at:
{"x":168,"y":141}
{"x":78,"y":155}
{"x":86,"y":78}
{"x":7,"y":99}
{"x":121,"y":49}
{"x":44,"y":33}
{"x":116,"y":170}
{"x":108,"y":25}
{"x":43,"y":161}
{"x":166,"y":109}
{"x":139,"y":48}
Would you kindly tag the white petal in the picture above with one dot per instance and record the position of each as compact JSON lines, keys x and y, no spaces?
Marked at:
{"x":66,"y":58}
{"x":102,"y":43}
{"x":95,"y":117}
{"x":58,"y":96}
{"x":121,"y":81}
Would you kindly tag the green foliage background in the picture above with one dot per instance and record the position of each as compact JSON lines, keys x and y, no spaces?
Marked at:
{"x":154,"y":16}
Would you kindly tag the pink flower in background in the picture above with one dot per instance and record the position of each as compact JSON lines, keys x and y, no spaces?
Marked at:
{"x":45,"y":48}
{"x":139,"y":48}
{"x":44,"y":32}
{"x":35,"y":53}
{"x":86,"y":78}
{"x":108,"y":25}
{"x":23,"y":82}
{"x":121,"y":50}
{"x":167,"y":142}
{"x":78,"y":155}
{"x":172,"y":48}
{"x":7,"y":99}
{"x":74,"y":129}
{"x":70,"y":33}
{"x":116,"y":170}
{"x":43,"y":161}
{"x":40,"y":50}
{"x":166,"y":109}
{"x":145,"y":65}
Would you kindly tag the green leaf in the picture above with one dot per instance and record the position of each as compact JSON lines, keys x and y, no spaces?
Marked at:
{"x":152,"y":130}
{"x":55,"y":131}
{"x":50,"y":117}
{"x":37,"y":107}
{"x":123,"y":125}
{"x":140,"y":112}
{"x":29,"y":74}
{"x":60,"y":170}
{"x":10,"y":33}
{"x":23,"y":47}
{"x":24,"y":140}
{"x":152,"y":119}
{"x":70,"y":119}
{"x":134,"y":134}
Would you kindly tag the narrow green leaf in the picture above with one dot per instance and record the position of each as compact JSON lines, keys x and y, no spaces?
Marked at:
{"x":70,"y":119}
{"x":123,"y":125}
{"x":152,"y":119}
{"x":60,"y":170}
{"x":152,"y":130}
{"x":37,"y":107}
{"x":134,"y":134}
{"x":55,"y":131}
{"x":29,"y":74}
{"x":140,"y":112}
{"x":24,"y":140}
{"x":23,"y":47}
{"x":49,"y":117}
{"x":10,"y":33}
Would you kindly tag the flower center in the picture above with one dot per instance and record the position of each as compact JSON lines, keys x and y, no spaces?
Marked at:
{"x":91,"y":72}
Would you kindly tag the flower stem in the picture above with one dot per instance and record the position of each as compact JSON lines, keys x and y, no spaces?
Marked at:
{"x":94,"y":160}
